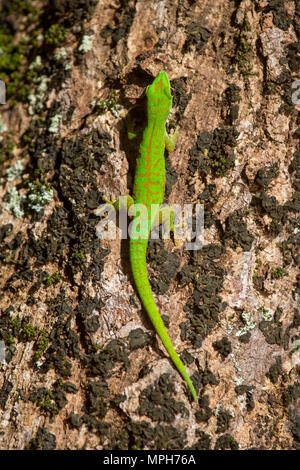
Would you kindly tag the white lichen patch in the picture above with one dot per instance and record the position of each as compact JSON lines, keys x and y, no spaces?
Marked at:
{"x":37,"y":199}
{"x":86,"y":44}
{"x":235,"y":363}
{"x":15,"y":202}
{"x":36,"y":100}
{"x":267,"y":315}
{"x":61,"y":54}
{"x":238,"y":380}
{"x":36,"y":63}
{"x":14,"y":171}
{"x":249,"y":324}
{"x":54,"y":123}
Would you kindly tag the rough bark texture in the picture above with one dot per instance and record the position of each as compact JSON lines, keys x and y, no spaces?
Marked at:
{"x":83,"y":367}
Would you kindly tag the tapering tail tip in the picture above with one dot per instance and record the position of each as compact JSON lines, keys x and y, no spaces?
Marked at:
{"x":137,"y":250}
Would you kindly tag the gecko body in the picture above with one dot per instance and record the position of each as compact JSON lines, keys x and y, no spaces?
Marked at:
{"x":148,"y":190}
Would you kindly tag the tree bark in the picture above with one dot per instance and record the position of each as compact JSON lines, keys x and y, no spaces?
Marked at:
{"x":80,"y":364}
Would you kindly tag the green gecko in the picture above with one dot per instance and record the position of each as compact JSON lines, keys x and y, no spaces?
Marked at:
{"x":148,"y":190}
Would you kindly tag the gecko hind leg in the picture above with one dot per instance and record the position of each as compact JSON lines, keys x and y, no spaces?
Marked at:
{"x":122,"y":203}
{"x":131,"y":127}
{"x":166,"y":218}
{"x":171,"y":139}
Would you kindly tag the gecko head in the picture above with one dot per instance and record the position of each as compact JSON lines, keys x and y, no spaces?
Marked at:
{"x":159,"y":97}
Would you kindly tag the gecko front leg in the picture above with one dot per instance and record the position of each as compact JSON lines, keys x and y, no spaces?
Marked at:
{"x":171,"y":138}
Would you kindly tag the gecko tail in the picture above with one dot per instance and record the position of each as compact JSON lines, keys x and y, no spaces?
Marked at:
{"x":137,"y":252}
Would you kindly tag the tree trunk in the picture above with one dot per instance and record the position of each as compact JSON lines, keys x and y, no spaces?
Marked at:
{"x":80,"y":364}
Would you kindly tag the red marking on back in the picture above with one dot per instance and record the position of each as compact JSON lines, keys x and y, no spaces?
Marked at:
{"x":148,"y":167}
{"x":159,"y":85}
